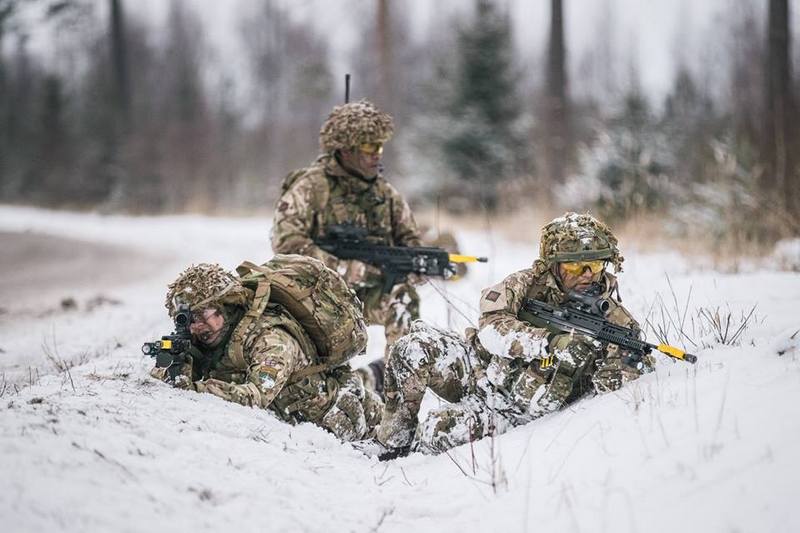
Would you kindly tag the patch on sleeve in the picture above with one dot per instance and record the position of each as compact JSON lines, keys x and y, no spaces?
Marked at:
{"x":283,"y":206}
{"x":268,"y":377}
{"x":492,"y":296}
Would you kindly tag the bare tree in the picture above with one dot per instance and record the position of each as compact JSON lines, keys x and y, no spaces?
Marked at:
{"x":779,"y":140}
{"x":557,"y":113}
{"x":385,"y":59}
{"x":7,"y":10}
{"x":293,"y":91}
{"x":119,"y":62}
{"x":383,"y":29}
{"x":746,"y":50}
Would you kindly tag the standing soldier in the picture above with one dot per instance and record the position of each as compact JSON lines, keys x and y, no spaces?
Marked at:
{"x":511,"y":371}
{"x":345,"y":186}
{"x":277,"y":336}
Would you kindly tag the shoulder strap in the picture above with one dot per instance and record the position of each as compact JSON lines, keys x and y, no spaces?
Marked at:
{"x":235,"y":349}
{"x":298,"y":375}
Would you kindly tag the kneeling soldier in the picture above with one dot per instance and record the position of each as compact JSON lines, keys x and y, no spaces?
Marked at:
{"x":345,"y":186}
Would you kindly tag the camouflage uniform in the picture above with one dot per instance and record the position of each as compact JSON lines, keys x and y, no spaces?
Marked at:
{"x":325,"y":194}
{"x":496,"y":378}
{"x":276,"y":353}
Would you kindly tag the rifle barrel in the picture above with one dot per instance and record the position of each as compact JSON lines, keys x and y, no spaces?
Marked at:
{"x":457,"y":258}
{"x":677,"y":353}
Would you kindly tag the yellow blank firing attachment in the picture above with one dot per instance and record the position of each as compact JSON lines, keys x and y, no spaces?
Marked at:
{"x":677,"y":353}
{"x":456,"y":258}
{"x":546,"y":362}
{"x":166,"y":344}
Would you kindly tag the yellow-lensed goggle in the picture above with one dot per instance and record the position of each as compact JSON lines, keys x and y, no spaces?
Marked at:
{"x":576,"y":268}
{"x":371,"y":148}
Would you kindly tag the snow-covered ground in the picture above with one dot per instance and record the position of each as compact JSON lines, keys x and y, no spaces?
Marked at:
{"x":102,"y":447}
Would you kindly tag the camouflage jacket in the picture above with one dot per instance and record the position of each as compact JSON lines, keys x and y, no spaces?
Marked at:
{"x":275,"y":348}
{"x":325,"y":194}
{"x":510,"y":345}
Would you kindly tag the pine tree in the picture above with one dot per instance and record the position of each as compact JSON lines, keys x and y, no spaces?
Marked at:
{"x":485,"y":146}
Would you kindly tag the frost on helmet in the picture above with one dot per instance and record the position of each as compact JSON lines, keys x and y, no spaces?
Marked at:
{"x":205,"y":285}
{"x":579,"y":237}
{"x":353,"y":124}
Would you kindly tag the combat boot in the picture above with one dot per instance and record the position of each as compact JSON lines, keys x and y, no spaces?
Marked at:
{"x":373,"y":377}
{"x":374,"y":448}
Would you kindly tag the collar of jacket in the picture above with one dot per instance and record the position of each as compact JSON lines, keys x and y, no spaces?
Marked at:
{"x":352,"y":182}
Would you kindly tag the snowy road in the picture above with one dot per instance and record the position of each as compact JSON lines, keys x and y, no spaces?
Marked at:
{"x":102,"y":447}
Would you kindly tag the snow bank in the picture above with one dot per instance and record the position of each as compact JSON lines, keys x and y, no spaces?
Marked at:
{"x":709,"y":447}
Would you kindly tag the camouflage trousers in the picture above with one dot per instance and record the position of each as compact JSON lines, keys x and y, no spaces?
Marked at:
{"x":337,"y":401}
{"x":394,"y":311}
{"x":429,"y":358}
{"x":356,"y":410}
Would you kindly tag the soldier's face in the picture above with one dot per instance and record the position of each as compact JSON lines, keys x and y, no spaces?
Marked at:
{"x":578,"y":282}
{"x":207,"y":325}
{"x":366,"y":159}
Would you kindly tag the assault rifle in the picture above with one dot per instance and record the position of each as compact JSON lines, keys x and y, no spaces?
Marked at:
{"x":346,"y":241}
{"x":171,"y":351}
{"x":585,"y":313}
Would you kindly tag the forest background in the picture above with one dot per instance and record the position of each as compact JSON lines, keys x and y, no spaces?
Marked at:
{"x":102,"y":108}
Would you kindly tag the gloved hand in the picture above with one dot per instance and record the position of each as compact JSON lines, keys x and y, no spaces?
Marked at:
{"x":612,"y":373}
{"x":357,"y":272}
{"x":183,"y":382}
{"x":563,"y":341}
{"x":416,"y":279}
{"x":244,"y":394}
{"x":185,"y":371}
{"x":572,"y":350}
{"x":183,"y":379}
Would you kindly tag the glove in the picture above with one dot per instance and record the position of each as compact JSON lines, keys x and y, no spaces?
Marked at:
{"x":572,"y":350}
{"x":612,"y":373}
{"x":357,"y":272}
{"x":246,"y":394}
{"x":416,"y":279}
{"x":570,"y":342}
{"x":183,"y":378}
{"x":185,"y":371}
{"x":183,"y":382}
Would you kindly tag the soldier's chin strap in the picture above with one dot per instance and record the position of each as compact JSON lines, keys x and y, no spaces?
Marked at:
{"x":353,"y":172}
{"x":557,"y":274}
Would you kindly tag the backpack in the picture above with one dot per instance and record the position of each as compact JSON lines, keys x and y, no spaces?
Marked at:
{"x":316,"y":297}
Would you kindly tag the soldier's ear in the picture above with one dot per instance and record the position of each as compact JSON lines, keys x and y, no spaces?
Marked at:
{"x":342,"y":154}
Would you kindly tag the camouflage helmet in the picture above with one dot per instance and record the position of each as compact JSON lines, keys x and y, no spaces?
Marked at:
{"x":576,"y":237}
{"x":206,"y":285}
{"x":353,"y":124}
